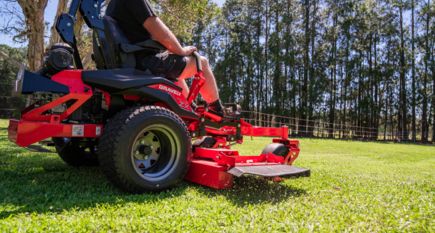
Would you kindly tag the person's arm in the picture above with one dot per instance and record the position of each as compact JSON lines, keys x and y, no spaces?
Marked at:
{"x":161,"y":33}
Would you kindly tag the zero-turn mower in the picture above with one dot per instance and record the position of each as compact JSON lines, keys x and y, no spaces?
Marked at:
{"x":139,"y":128}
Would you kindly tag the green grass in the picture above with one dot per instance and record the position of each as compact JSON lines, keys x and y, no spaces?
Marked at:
{"x":354,"y":187}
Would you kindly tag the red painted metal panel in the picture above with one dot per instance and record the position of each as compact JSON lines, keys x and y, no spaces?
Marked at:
{"x":209,"y":174}
{"x":224,"y":157}
{"x":197,"y":84}
{"x":38,"y":114}
{"x":79,"y":92}
{"x":13,"y":130}
{"x":213,"y":116}
{"x":72,"y":79}
{"x":265,"y":131}
{"x":25,"y":133}
{"x":175,"y":94}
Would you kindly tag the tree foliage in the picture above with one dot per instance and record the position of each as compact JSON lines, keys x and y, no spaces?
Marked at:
{"x":345,"y":63}
{"x":10,"y":60}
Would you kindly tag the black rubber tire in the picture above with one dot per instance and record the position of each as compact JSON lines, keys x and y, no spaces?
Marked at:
{"x":120,"y":133}
{"x":276,"y":149}
{"x":73,"y":153}
{"x":205,"y":142}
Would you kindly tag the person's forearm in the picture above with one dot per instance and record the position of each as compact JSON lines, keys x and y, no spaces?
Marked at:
{"x":161,"y":33}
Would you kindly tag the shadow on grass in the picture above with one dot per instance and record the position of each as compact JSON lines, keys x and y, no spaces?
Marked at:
{"x":49,"y":186}
{"x":253,"y":190}
{"x":44,"y":184}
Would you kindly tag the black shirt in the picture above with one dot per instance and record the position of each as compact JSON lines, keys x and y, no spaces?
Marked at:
{"x":131,"y":15}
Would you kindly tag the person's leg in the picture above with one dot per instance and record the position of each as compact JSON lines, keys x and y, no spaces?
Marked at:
{"x":170,"y":66}
{"x":209,"y":91}
{"x":182,"y":83}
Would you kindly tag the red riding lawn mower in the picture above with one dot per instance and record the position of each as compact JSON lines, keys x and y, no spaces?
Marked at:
{"x":139,"y":128}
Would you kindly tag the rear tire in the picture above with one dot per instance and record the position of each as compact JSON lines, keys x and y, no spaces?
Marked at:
{"x":76,"y":153}
{"x":145,"y":149}
{"x":277,"y":149}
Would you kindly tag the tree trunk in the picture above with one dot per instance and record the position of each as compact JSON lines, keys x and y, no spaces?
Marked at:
{"x":359,"y":110}
{"x":277,"y":58}
{"x":413,"y":71}
{"x":333,"y":79}
{"x":377,"y":108}
{"x":305,"y":90}
{"x":33,"y":12}
{"x":260,"y":62}
{"x":290,"y":96}
{"x":424,"y":121}
{"x":386,"y":111}
{"x":61,"y":8}
{"x":311,"y":85}
{"x":347,"y":77}
{"x":266,"y":54}
{"x":433,"y":86}
{"x":403,"y":132}
{"x":433,"y":98}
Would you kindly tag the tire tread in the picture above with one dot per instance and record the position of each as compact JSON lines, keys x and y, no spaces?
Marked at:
{"x":111,"y":140}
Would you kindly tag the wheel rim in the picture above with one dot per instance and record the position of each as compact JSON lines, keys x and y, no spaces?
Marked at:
{"x":155,"y":152}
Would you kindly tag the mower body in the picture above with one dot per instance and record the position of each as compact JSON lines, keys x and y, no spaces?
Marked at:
{"x":78,"y":105}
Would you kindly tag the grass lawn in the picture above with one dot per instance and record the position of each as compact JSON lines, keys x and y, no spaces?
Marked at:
{"x":354,"y":187}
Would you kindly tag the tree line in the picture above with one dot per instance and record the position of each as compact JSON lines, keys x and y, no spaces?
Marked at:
{"x":359,"y":65}
{"x":343,"y":68}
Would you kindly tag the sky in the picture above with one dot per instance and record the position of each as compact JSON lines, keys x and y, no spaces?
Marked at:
{"x":50,"y":12}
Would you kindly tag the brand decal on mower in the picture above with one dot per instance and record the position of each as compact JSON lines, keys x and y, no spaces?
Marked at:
{"x":98,"y":131}
{"x":78,"y":130}
{"x":170,"y":90}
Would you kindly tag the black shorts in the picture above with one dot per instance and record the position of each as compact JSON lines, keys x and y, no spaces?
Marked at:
{"x":167,"y":65}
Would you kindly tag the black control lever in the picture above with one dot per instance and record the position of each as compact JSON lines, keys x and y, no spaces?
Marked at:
{"x":198,"y":61}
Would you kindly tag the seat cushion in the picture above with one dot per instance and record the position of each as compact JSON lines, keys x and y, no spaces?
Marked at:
{"x":122,"y":79}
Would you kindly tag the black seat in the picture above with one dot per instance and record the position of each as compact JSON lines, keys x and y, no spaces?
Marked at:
{"x":115,"y":38}
{"x":114,"y":49}
{"x":116,"y":80}
{"x":100,"y":48}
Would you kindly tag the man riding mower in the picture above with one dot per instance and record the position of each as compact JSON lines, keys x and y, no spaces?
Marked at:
{"x":131,"y":115}
{"x":138,"y":22}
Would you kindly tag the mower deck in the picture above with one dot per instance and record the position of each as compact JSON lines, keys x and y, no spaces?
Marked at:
{"x":213,"y":175}
{"x":265,"y":170}
{"x":217,"y":167}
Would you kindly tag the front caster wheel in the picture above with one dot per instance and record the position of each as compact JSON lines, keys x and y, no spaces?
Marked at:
{"x":75,"y":152}
{"x":276,"y":149}
{"x":145,"y":149}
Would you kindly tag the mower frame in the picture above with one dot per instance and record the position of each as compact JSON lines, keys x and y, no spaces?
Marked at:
{"x":209,"y":166}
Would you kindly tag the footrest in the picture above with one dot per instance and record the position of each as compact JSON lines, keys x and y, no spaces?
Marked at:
{"x":269,"y":171}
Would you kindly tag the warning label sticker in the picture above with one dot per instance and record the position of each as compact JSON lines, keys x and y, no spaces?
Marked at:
{"x":98,"y":131}
{"x":78,"y":130}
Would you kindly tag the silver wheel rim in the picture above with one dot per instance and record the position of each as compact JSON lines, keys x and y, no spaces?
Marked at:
{"x":155,"y":152}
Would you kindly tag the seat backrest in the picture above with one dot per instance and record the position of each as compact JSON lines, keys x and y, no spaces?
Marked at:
{"x":113,"y":39}
{"x":101,"y":53}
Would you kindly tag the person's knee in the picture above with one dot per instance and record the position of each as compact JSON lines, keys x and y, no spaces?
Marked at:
{"x":204,"y":61}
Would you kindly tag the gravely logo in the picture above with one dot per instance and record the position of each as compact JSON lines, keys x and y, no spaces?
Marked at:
{"x":170,"y":90}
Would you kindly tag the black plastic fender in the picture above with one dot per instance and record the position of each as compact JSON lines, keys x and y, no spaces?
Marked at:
{"x":161,"y":96}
